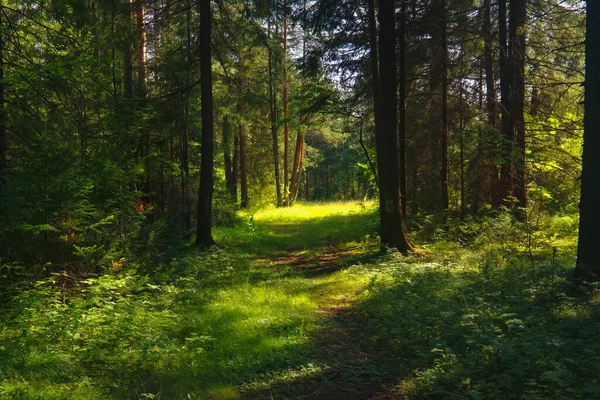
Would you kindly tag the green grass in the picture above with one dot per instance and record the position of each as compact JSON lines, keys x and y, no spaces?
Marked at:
{"x":299,"y":303}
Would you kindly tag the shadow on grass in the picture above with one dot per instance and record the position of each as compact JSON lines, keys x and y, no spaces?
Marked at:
{"x":439,"y":332}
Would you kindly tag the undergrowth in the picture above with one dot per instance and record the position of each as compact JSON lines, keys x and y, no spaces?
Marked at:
{"x":488,"y":311}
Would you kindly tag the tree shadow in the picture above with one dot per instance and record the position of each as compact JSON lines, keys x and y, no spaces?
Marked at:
{"x":438,"y":332}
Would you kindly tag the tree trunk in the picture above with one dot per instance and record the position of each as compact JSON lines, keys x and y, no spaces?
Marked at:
{"x":402,"y":101}
{"x":128,"y":54}
{"x":297,"y":168}
{"x":517,"y":19}
{"x":235,"y":170}
{"x":242,"y":136}
{"x":444,"y":116}
{"x":588,"y":257}
{"x":230,"y":179}
{"x":392,"y":228}
{"x":141,"y":44}
{"x":243,"y":167}
{"x":506,"y":89}
{"x":494,"y":195}
{"x":286,"y":126}
{"x":3,"y":116}
{"x":273,"y":117}
{"x":185,"y":174}
{"x":205,"y":192}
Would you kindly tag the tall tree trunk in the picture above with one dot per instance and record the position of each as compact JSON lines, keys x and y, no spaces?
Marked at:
{"x":517,"y":19}
{"x":506,"y":89}
{"x":185,"y":165}
{"x":235,"y":170}
{"x":141,"y":45}
{"x":402,"y":101}
{"x":444,"y":116}
{"x":286,"y":126}
{"x":461,"y":124}
{"x":205,"y":192}
{"x":3,"y":116}
{"x":128,"y":53}
{"x":494,"y":194}
{"x":243,"y":167}
{"x":273,"y":117}
{"x":392,"y":227}
{"x":588,"y":257}
{"x":242,"y":136}
{"x":230,"y":179}
{"x":297,"y":168}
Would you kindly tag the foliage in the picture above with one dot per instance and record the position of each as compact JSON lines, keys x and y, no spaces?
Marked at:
{"x":484,"y":320}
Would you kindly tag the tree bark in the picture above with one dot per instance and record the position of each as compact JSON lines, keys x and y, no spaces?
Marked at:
{"x":128,"y":54}
{"x":444,"y":105}
{"x":243,"y":167}
{"x":205,"y":192}
{"x":517,"y":19}
{"x":297,"y":168}
{"x":494,"y":195}
{"x":286,"y":126}
{"x":392,"y":227}
{"x":402,"y":101}
{"x":3,"y":116}
{"x":230,"y":177}
{"x":273,"y":117}
{"x":506,"y":89}
{"x":588,"y":257}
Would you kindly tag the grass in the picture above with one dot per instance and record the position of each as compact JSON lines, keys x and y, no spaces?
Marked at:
{"x":299,"y":303}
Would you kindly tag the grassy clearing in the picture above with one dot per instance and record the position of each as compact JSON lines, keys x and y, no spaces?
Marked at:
{"x":297,"y":303}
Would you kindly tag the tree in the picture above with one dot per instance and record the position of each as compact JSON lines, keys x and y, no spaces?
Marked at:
{"x":588,"y":258}
{"x":205,"y":192}
{"x":392,"y":226}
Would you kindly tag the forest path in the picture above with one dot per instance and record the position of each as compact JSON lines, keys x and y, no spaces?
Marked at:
{"x":347,"y":365}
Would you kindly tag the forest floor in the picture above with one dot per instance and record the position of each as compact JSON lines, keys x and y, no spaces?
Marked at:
{"x":301,"y":304}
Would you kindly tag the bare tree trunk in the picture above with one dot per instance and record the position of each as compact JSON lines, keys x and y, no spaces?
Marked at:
{"x":392,"y":227}
{"x":286,"y":127}
{"x":588,"y":257}
{"x":444,"y":105}
{"x":402,"y":101}
{"x":297,"y":168}
{"x":242,"y":137}
{"x":128,"y":54}
{"x":185,"y":174}
{"x":230,"y":178}
{"x":517,"y":19}
{"x":243,"y":167}
{"x":492,"y":108}
{"x":273,"y":116}
{"x":235,"y":170}
{"x":205,"y":192}
{"x":506,"y":90}
{"x":141,"y":44}
{"x":3,"y":116}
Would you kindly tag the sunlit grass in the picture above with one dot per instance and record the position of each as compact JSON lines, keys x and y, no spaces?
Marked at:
{"x":299,"y":300}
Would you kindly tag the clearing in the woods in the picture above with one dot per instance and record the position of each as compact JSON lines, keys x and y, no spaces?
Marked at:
{"x":301,"y":303}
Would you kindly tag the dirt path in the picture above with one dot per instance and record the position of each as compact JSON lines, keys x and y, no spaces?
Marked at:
{"x":350,"y":365}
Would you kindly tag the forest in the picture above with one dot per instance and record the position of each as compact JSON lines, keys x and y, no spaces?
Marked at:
{"x":299,"y":199}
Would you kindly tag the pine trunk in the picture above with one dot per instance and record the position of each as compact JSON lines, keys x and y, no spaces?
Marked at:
{"x":506,"y":89}
{"x":392,"y":227}
{"x":517,"y":19}
{"x":491,"y":189}
{"x":3,"y":116}
{"x":205,"y":192}
{"x":286,"y":126}
{"x":588,"y":256}
{"x":274,"y":130}
{"x":402,"y":101}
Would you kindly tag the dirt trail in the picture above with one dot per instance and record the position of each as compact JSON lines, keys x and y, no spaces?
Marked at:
{"x":350,"y":366}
